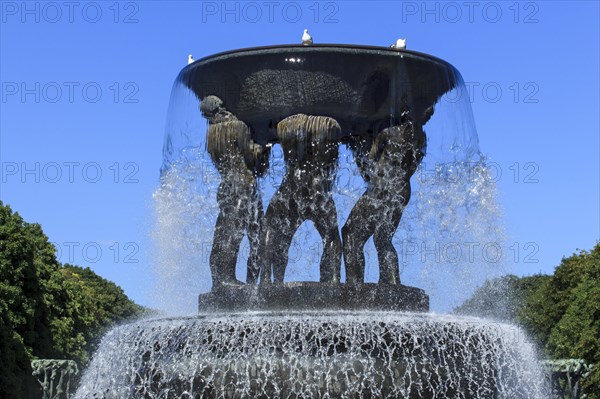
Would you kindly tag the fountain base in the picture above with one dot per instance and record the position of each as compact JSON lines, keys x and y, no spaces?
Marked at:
{"x":299,"y":296}
{"x":310,"y":354}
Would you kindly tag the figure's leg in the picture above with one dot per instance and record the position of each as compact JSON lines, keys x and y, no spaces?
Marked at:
{"x":355,"y":233}
{"x":267,"y":241}
{"x":254,"y":230}
{"x":386,"y":254}
{"x":280,"y":224}
{"x":324,"y":217}
{"x":280,"y":257}
{"x":266,"y":268}
{"x":288,"y":224}
{"x":384,"y":233}
{"x":226,"y":242}
{"x":216,"y":252}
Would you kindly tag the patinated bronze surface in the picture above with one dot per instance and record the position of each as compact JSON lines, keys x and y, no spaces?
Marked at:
{"x":310,"y":147}
{"x":310,"y":100}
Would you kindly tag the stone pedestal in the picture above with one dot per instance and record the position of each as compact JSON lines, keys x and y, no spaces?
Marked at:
{"x":313,"y":296}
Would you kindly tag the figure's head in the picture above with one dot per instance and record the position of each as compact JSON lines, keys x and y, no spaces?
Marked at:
{"x":210,"y":105}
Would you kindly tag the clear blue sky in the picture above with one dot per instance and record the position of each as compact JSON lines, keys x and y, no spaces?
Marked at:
{"x":86,"y":85}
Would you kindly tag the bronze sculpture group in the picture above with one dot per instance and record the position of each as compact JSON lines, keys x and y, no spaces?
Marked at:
{"x":386,"y":160}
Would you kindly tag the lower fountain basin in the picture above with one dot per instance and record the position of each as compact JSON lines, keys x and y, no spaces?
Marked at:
{"x":314,"y":355}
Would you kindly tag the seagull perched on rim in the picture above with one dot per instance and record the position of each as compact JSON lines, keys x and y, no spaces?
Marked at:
{"x":306,"y":38}
{"x":190,"y":59}
{"x":399,"y":45}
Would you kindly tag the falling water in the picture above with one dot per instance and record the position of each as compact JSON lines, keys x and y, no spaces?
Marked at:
{"x":446,"y":242}
{"x":315,"y":355}
{"x":450,"y":239}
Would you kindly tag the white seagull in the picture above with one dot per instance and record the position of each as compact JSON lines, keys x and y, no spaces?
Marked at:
{"x":399,"y":45}
{"x":190,"y":59}
{"x":306,"y":38}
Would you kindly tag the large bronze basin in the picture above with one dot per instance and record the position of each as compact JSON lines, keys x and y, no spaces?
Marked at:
{"x":362,"y":87}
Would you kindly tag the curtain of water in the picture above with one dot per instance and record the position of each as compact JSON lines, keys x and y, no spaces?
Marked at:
{"x":449,"y":241}
{"x":315,"y":355}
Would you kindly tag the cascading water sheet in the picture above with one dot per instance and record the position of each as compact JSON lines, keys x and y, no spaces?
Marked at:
{"x":387,"y":139}
{"x":315,"y":355}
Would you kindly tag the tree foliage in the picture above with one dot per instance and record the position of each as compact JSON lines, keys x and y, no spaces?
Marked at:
{"x":501,"y":298}
{"x":48,"y":310}
{"x":95,"y":305}
{"x":560,"y":312}
{"x":564,"y":313}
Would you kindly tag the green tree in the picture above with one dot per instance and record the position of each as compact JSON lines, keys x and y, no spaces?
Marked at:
{"x":502,"y":298}
{"x":95,"y":304}
{"x":560,"y":312}
{"x":48,"y":310}
{"x":563,"y":314}
{"x":27,"y":261}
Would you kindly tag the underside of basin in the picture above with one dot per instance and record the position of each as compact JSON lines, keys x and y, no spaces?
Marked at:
{"x":362,"y":87}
